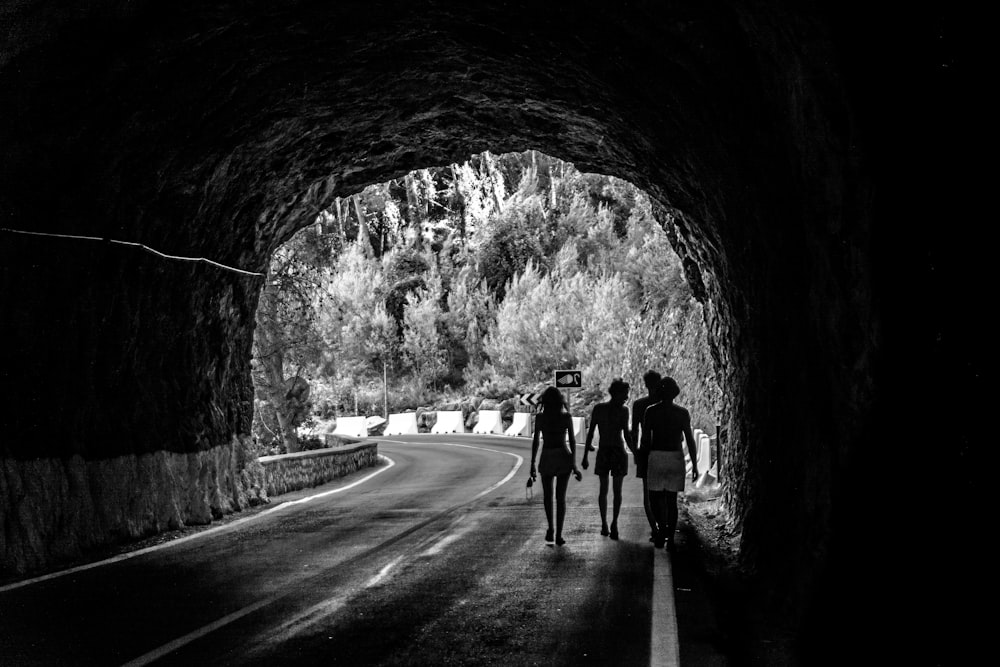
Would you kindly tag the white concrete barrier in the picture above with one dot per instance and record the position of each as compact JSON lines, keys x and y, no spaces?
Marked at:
{"x":704,"y":453}
{"x":353,"y":426}
{"x":489,"y":422}
{"x":688,"y":467}
{"x":579,"y":430}
{"x":702,"y":449}
{"x":521,"y":425}
{"x":401,"y":424}
{"x":449,"y":421}
{"x":374,"y":421}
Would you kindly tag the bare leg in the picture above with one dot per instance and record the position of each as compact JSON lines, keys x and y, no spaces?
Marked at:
{"x":658,"y":503}
{"x":671,"y":501}
{"x":616,"y":490}
{"x":547,"y":502}
{"x":602,"y":503}
{"x":646,"y":506}
{"x":562,"y":481}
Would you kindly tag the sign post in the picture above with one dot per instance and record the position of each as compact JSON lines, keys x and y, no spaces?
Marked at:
{"x":569,"y":380}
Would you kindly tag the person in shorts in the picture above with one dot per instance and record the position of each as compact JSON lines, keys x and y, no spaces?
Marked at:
{"x":651,"y":379}
{"x":611,"y":419}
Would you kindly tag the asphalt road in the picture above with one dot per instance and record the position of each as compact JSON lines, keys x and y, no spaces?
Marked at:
{"x":435,"y":557}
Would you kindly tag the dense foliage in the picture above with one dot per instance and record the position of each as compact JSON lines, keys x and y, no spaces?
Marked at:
{"x":477,"y":279}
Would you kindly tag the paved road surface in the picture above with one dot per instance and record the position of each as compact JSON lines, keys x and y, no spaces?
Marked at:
{"x":435,"y":557}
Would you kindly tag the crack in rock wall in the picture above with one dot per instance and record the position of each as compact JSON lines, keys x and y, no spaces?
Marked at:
{"x":214,"y":130}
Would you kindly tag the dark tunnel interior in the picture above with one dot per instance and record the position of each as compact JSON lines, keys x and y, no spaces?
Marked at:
{"x":780,"y":135}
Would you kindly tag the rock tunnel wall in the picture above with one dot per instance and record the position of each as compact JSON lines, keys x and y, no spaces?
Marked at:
{"x":53,"y":508}
{"x":210,"y":130}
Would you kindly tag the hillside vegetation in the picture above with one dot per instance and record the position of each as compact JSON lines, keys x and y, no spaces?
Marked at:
{"x":472,"y":282}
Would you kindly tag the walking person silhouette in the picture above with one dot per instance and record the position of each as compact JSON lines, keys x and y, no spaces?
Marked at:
{"x":611,"y":419}
{"x":558,"y":458}
{"x":651,"y":379}
{"x":668,"y":425}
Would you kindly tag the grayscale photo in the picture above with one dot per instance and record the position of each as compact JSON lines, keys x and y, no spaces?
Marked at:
{"x":639,"y":333}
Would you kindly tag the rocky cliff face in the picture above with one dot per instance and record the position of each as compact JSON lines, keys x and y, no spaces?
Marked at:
{"x":218,"y":129}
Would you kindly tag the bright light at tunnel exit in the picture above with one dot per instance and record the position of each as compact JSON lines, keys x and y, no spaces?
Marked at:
{"x":465,"y":287}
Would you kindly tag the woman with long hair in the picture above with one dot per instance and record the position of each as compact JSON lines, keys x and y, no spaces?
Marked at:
{"x":558,"y":459}
{"x":669,"y":425}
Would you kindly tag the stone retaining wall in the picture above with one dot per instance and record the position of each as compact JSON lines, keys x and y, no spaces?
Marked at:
{"x":54,"y":509}
{"x":290,"y":472}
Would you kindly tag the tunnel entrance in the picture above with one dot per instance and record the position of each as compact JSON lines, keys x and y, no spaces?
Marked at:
{"x":466,"y":287}
{"x":219,"y":131}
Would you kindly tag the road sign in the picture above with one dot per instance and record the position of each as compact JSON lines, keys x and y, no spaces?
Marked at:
{"x":569,"y":379}
{"x":529,"y":399}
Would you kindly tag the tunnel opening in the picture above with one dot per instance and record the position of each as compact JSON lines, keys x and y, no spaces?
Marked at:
{"x":468,"y":287}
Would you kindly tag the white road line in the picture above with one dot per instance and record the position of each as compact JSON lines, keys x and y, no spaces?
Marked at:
{"x":439,"y":546}
{"x":169,"y":647}
{"x":195,"y":536}
{"x":306,"y":618}
{"x":175,"y":644}
{"x":307,"y":499}
{"x":383,"y":572}
{"x":510,"y":475}
{"x":664,"y":647}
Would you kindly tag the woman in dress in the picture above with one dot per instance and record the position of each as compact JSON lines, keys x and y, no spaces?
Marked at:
{"x":611,"y":419}
{"x":669,"y":425}
{"x":558,"y":459}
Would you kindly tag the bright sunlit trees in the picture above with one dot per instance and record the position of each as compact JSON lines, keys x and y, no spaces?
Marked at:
{"x":481,"y":276}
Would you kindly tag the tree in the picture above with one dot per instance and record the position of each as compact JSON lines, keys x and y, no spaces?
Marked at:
{"x":499,"y":269}
{"x":511,"y":243}
{"x":287,"y":342}
{"x":471,"y":310}
{"x":603,"y":341}
{"x":421,"y":347}
{"x":538,"y":324}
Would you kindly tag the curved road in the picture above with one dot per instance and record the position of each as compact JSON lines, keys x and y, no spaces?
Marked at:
{"x":434,"y":557}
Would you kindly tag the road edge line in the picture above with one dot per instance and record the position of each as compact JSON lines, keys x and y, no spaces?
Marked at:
{"x":211,"y":531}
{"x":198,"y":633}
{"x":664,"y":644}
{"x":184,"y":640}
{"x":510,"y":475}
